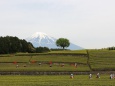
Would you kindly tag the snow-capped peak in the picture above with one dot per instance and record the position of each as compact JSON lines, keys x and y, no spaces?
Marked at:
{"x":41,"y":38}
{"x":44,"y":40}
{"x":39,"y":34}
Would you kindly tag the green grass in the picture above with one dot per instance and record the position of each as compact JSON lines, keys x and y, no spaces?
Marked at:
{"x":102,"y":59}
{"x":98,"y":60}
{"x":61,"y":80}
{"x":15,"y":59}
{"x":7,"y":63}
{"x":60,"y":58}
{"x":70,"y":51}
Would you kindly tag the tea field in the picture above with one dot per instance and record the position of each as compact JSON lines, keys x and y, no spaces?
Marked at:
{"x":55,"y":80}
{"x":102,"y":60}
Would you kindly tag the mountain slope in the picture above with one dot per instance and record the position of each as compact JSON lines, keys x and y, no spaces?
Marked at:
{"x":44,"y":40}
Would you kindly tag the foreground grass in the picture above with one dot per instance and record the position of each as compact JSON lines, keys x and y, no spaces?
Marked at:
{"x":64,"y":80}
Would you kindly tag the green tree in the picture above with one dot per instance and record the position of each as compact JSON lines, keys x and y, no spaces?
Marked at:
{"x":42,"y":49}
{"x":62,"y":42}
{"x":31,"y":48}
{"x":11,"y":44}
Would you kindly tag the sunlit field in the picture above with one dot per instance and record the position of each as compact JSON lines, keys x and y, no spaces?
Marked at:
{"x":59,"y":80}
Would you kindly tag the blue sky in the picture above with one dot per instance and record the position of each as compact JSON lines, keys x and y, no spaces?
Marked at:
{"x":87,"y":23}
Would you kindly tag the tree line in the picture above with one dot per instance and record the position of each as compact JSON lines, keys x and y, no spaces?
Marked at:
{"x":111,"y":48}
{"x":10,"y":44}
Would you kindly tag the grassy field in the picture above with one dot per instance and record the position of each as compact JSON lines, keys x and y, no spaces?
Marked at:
{"x":60,"y":58}
{"x":102,"y":59}
{"x":69,"y":51}
{"x":97,"y":60}
{"x":42,"y":67}
{"x":9,"y":62}
{"x":62,"y":80}
{"x":15,"y":59}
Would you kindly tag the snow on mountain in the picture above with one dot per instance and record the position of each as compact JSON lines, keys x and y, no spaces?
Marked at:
{"x":44,"y":40}
{"x":41,"y":39}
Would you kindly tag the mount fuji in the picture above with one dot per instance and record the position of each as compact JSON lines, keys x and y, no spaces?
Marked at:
{"x":42,"y":39}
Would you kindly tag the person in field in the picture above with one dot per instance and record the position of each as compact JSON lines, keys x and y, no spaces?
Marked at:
{"x":76,"y":65}
{"x":90,"y":76}
{"x":98,"y":75}
{"x":111,"y":76}
{"x":62,"y":65}
{"x":50,"y":63}
{"x":71,"y":76}
{"x":17,"y":66}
